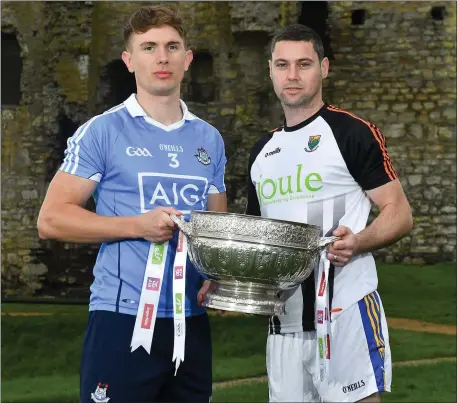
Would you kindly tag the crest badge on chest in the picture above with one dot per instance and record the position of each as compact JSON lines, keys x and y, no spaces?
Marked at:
{"x":313,"y":143}
{"x":202,"y":156}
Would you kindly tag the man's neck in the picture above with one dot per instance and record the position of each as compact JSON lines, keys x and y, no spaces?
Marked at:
{"x":164,"y":109}
{"x":296,"y":115}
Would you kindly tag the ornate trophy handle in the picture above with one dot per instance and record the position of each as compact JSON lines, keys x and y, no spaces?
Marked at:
{"x":183,"y":225}
{"x":324,"y":241}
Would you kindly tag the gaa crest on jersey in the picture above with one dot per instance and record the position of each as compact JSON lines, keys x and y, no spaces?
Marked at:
{"x":100,"y":394}
{"x":313,"y":143}
{"x":202,"y":156}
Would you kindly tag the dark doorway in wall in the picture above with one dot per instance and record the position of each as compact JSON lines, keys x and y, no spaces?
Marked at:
{"x":358,"y":17}
{"x":251,"y":50}
{"x":66,"y":129}
{"x":116,"y":85}
{"x":438,"y":13}
{"x":202,"y":87}
{"x":11,"y":70}
{"x":314,"y":14}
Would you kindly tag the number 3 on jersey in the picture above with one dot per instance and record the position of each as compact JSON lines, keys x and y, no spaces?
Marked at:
{"x":174,"y":163}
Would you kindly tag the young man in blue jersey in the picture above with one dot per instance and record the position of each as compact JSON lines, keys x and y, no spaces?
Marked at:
{"x":148,"y":338}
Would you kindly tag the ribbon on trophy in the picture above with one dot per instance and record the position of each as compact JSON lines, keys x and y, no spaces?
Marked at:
{"x":323,"y":324}
{"x":179,"y":300}
{"x":150,"y":295}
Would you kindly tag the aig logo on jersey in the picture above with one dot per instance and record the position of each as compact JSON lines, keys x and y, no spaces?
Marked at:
{"x":169,"y":190}
{"x":138,"y":152}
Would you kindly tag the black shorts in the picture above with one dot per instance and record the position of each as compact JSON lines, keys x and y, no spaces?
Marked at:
{"x":110,"y":370}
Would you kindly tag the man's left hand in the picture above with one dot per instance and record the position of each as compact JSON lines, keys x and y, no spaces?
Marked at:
{"x":341,"y":252}
{"x":207,"y":286}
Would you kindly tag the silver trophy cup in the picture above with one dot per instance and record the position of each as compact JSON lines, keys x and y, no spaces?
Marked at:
{"x":256,"y":262}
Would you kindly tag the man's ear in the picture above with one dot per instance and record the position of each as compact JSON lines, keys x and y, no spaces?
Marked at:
{"x":325,"y":65}
{"x":127,"y":58}
{"x":189,"y":58}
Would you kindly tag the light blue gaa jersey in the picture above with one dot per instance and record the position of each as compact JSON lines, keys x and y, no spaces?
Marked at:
{"x":141,"y":164}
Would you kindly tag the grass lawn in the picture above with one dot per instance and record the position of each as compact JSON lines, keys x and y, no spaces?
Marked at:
{"x":425,"y":383}
{"x":36,"y":370}
{"x":419,"y":292}
{"x":41,"y":354}
{"x":52,"y":345}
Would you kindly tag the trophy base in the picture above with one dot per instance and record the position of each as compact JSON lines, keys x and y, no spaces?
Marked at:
{"x":248,"y":297}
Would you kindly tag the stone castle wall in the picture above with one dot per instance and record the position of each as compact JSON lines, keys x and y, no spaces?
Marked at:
{"x":397,"y":70}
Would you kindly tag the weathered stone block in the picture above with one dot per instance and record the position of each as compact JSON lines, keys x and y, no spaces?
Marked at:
{"x":415,"y":180}
{"x":32,"y":269}
{"x":450,"y":114}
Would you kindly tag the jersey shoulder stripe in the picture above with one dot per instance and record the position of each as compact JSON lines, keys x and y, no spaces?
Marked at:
{"x":379,"y":138}
{"x":71,"y":166}
{"x":114,"y":108}
{"x":278,"y":129}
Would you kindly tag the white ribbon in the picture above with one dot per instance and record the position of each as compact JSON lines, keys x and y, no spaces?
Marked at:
{"x":323,"y":325}
{"x":150,"y":295}
{"x":149,"y":300}
{"x":179,"y":300}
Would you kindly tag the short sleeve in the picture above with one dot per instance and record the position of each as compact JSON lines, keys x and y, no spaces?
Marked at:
{"x":84,"y":155}
{"x":252,"y":206}
{"x":218,"y":185}
{"x":367,"y":157}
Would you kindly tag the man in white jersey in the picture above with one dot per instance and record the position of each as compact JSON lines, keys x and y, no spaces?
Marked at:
{"x":148,"y":337}
{"x":324,"y":167}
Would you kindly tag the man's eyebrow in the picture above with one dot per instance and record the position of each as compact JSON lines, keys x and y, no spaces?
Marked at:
{"x":304,"y":59}
{"x":150,"y":43}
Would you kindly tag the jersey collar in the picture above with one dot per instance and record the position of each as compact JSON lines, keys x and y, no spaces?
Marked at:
{"x":305,"y":122}
{"x":135,"y":109}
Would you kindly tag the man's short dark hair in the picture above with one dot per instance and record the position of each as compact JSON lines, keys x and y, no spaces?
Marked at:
{"x":147,"y":17}
{"x":299,"y":32}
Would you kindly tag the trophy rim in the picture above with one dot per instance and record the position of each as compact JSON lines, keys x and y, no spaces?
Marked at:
{"x":256,"y":218}
{"x":242,"y":239}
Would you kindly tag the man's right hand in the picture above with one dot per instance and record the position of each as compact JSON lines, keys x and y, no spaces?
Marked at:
{"x":156,"y":225}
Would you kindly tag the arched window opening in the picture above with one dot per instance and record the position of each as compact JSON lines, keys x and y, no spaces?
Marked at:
{"x":202,"y":88}
{"x":11,"y":70}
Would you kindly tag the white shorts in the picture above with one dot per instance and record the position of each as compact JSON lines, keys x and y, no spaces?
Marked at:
{"x":360,"y":362}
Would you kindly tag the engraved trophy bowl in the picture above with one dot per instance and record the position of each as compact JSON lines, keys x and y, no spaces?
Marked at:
{"x":256,"y":262}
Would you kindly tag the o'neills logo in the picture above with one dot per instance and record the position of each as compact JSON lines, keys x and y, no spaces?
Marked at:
{"x":353,"y":386}
{"x":322,"y":285}
{"x":277,"y":151}
{"x":147,"y":316}
{"x":179,"y":248}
